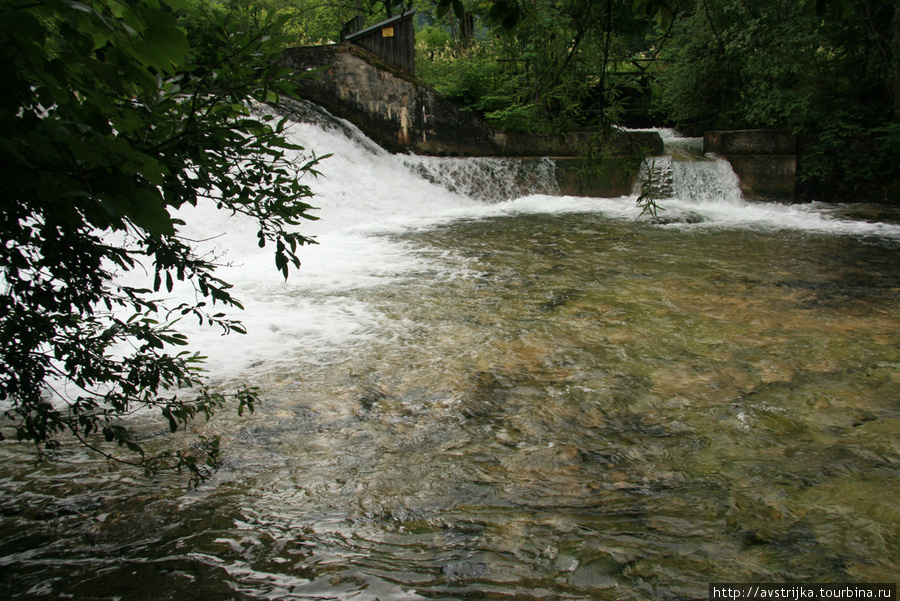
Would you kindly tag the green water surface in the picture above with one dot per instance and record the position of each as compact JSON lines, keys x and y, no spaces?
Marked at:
{"x":554,"y":407}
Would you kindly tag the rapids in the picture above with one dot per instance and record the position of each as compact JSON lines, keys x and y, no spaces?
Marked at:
{"x":514,"y":395}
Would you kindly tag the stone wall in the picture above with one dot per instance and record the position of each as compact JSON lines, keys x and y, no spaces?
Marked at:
{"x":402,"y":114}
{"x":387,"y":104}
{"x":611,"y":178}
{"x":765,"y":161}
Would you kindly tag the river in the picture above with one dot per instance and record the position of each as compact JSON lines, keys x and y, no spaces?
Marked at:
{"x":513,"y":395}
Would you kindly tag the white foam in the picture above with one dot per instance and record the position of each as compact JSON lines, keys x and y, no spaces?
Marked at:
{"x":687,"y":213}
{"x":361,"y":191}
{"x":363,"y":195}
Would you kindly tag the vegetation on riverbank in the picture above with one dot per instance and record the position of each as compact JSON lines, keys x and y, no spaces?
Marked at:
{"x":828,"y":70}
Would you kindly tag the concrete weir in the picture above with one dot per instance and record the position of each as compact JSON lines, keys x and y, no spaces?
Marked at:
{"x":765,"y":161}
{"x":402,"y":114}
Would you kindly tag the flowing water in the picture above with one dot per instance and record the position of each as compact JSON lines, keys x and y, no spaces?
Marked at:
{"x":541,"y":398}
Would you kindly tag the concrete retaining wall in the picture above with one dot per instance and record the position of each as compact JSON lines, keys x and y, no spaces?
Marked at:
{"x":611,"y":178}
{"x":402,"y":114}
{"x":386,"y":103}
{"x":765,"y":161}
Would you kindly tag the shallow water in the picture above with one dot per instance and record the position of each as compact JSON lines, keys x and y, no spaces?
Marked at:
{"x":543,"y":398}
{"x":554,"y":406}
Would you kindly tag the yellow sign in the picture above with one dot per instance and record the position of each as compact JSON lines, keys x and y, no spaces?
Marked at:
{"x":387,"y":32}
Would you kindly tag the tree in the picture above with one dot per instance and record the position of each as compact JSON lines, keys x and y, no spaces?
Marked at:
{"x":107,"y":126}
{"x":823,"y":69}
{"x":551,"y":65}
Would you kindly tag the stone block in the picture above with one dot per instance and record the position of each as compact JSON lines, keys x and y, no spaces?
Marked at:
{"x":766,"y":177}
{"x":610,"y":178}
{"x":750,"y":141}
{"x":765,"y":161}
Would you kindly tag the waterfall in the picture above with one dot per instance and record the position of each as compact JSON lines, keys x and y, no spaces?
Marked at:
{"x":362,"y":193}
{"x":706,"y":180}
{"x":365,"y":195}
{"x":488,"y":179}
{"x":685,"y":174}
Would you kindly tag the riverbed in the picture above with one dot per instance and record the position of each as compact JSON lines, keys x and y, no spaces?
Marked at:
{"x":544,"y":398}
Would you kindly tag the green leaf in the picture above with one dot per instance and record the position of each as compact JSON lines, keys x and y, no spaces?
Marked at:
{"x":107,"y":124}
{"x":145,"y":208}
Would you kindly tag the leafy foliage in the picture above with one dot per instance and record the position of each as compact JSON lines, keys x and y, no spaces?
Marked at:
{"x":743,"y":64}
{"x":543,"y":66}
{"x":651,"y":182}
{"x":107,"y":125}
{"x":827,"y":70}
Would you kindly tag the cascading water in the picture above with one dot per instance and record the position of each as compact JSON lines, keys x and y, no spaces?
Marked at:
{"x":702,"y":181}
{"x":702,"y":191}
{"x":490,"y":180}
{"x":485,"y":179}
{"x":684,"y":174}
{"x":543,"y":398}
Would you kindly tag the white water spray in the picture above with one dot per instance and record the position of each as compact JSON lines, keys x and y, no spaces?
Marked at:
{"x":365,"y":193}
{"x":488,"y":179}
{"x":684,"y":174}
